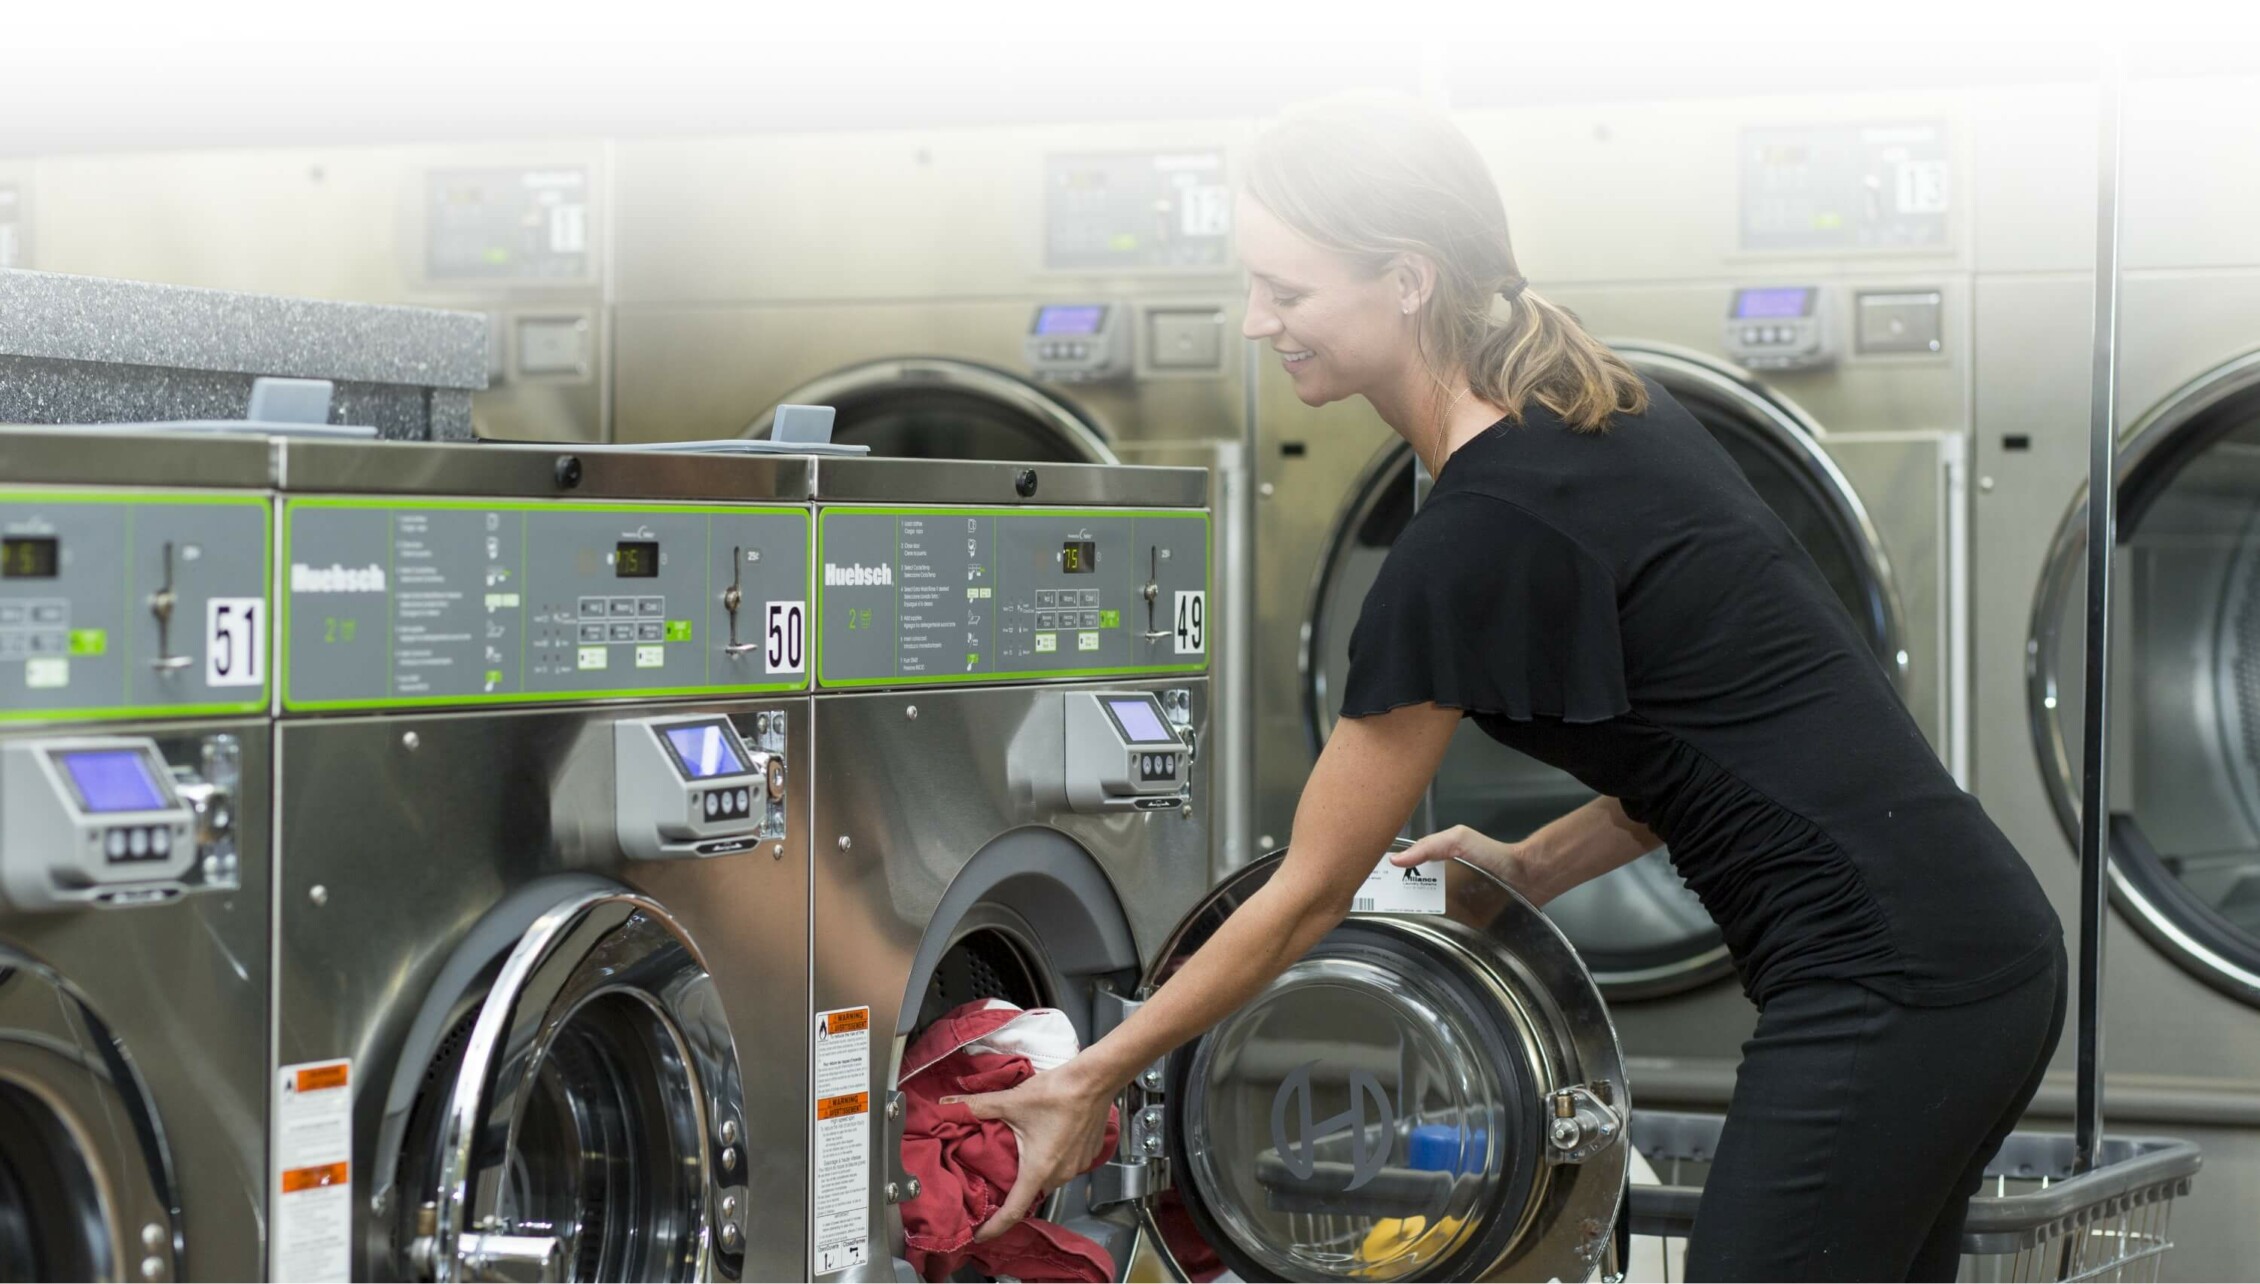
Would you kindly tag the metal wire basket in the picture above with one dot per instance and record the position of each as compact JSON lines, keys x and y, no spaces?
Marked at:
{"x":2032,"y":1220}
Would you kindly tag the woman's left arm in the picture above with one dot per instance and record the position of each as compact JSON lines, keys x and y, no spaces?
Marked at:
{"x":1367,"y":781}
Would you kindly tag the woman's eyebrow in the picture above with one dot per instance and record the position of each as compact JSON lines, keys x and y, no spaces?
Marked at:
{"x":1275,"y":282}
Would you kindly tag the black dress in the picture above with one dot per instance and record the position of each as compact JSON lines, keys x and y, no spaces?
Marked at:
{"x":1623,"y":605}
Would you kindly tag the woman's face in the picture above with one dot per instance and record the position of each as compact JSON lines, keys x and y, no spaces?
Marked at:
{"x":1339,"y":329}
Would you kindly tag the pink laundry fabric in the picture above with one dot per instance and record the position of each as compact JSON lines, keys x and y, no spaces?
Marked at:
{"x":966,"y":1166}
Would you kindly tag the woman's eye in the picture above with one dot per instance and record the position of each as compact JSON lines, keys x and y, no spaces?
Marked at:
{"x":1285,"y":300}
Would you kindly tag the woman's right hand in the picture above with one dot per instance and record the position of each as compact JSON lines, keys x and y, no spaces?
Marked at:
{"x":1506,"y":862}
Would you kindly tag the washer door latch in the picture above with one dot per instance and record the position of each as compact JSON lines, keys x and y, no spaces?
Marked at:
{"x":1583,"y":1122}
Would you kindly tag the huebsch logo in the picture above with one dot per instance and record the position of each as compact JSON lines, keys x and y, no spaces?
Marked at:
{"x":855,"y":575}
{"x":336,"y":579}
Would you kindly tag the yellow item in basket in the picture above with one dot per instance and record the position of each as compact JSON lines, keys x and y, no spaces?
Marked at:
{"x":1393,"y":1238}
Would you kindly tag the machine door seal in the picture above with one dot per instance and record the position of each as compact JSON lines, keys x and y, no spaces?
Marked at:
{"x":2184,"y":828}
{"x":577,"y":1125}
{"x":86,"y":1183}
{"x":1390,"y":1108}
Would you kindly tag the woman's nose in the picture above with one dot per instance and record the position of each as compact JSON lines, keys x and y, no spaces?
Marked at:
{"x":1260,"y":322}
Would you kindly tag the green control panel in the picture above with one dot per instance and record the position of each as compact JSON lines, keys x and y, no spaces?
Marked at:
{"x":133,"y":604}
{"x":392,"y":603}
{"x":972,"y":595}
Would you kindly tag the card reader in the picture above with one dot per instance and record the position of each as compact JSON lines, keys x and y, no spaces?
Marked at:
{"x":691,"y":787}
{"x":92,"y":820}
{"x":1123,"y":754}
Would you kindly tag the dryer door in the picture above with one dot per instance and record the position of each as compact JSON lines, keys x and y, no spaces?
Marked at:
{"x":1423,"y":1096}
{"x":1639,"y":928}
{"x":86,"y":1191}
{"x":581,"y":1118}
{"x":947,"y":408}
{"x":2185,"y":672}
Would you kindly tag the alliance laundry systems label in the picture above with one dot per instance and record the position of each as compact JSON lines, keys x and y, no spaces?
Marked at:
{"x":1390,"y":890}
{"x":401,"y":603}
{"x":968,"y":595}
{"x":313,"y":1192}
{"x":840,"y":1186}
{"x":118,"y":605}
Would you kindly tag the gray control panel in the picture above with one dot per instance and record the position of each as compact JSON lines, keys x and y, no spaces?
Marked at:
{"x":966,"y":595}
{"x":1114,"y":210}
{"x":92,"y":821}
{"x":1781,"y":327}
{"x":396,"y":603}
{"x":117,"y":605}
{"x":1829,"y":188}
{"x":508,"y":224}
{"x":1079,"y":342}
{"x":691,"y":786}
{"x":1124,"y":753}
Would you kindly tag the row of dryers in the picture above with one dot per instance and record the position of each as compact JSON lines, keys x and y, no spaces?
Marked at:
{"x":486,"y":862}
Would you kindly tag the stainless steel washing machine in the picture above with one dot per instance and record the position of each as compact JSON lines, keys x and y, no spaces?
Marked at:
{"x":2180,"y":1032}
{"x":1731,"y":250}
{"x":134,"y":857}
{"x":542,"y":864}
{"x":1011,"y":793}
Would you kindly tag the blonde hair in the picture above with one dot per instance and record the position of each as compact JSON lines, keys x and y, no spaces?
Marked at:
{"x":1380,"y":177}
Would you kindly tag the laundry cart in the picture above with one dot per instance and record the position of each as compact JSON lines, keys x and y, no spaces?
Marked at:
{"x":2034,"y":1219}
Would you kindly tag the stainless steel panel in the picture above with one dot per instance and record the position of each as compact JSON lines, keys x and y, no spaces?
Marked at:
{"x":903,"y":803}
{"x":411,"y":828}
{"x":2189,"y":146}
{"x":538,"y":472}
{"x":951,"y":481}
{"x":184,"y":988}
{"x":45,"y":456}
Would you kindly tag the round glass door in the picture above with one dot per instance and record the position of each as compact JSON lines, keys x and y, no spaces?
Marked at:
{"x":939,"y":408}
{"x":2184,"y":824}
{"x":1639,"y":928}
{"x":572,"y":1125}
{"x":85,"y":1190}
{"x":1385,"y":1109}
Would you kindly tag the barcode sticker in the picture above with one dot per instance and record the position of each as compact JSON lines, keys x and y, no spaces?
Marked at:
{"x":1390,"y":890}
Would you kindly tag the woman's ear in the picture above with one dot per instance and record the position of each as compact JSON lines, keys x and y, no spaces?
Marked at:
{"x":1415,"y":277}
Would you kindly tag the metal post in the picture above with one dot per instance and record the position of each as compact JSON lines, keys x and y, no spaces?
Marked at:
{"x":1424,"y":821}
{"x":2102,"y":536}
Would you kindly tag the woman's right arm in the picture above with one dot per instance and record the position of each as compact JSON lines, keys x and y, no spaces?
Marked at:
{"x":1569,"y":850}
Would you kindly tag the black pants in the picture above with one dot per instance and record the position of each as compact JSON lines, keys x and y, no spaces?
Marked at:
{"x":1861,"y":1127}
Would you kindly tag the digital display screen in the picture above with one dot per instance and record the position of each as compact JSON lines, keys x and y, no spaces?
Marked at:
{"x":1140,"y":722}
{"x":29,"y":557}
{"x":1773,"y":304}
{"x":635,"y":559}
{"x":1070,"y":318}
{"x":113,"y":780}
{"x":1079,"y":556}
{"x":705,"y":750}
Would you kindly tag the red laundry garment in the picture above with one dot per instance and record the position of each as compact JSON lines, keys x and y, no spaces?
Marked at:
{"x":966,"y":1166}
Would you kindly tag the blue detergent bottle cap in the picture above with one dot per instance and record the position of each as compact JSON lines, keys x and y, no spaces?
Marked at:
{"x":1435,"y":1148}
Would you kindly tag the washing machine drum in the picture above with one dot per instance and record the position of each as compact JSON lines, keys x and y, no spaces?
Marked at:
{"x":1424,"y":1096}
{"x":945,"y":408}
{"x":85,"y":1189}
{"x":580,"y":1117}
{"x":1640,"y":928}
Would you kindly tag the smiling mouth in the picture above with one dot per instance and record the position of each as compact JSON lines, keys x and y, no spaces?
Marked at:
{"x":1292,"y":360}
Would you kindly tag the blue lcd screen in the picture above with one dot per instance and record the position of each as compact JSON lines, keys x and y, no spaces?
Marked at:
{"x":1773,"y":304}
{"x":113,"y":780}
{"x":1076,"y":318}
{"x":705,"y":750}
{"x":1139,"y":722}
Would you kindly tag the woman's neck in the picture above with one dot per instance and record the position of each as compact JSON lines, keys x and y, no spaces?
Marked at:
{"x":1435,"y":415}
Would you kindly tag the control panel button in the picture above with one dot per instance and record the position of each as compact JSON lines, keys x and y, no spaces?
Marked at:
{"x":745,"y":802}
{"x":137,"y":843}
{"x":14,"y":644}
{"x":47,"y":613}
{"x":651,"y":631}
{"x":1047,"y":620}
{"x":160,"y":842}
{"x":1046,"y":599}
{"x":50,"y":643}
{"x":1090,"y":619}
{"x":623,"y":632}
{"x":713,"y":803}
{"x":114,"y":844}
{"x":623,"y":608}
{"x":592,"y":633}
{"x":651,"y":606}
{"x":593,"y":608}
{"x":18,"y":613}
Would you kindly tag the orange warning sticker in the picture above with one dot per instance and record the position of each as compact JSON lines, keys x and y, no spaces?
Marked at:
{"x":847,"y":1021}
{"x":317,"y":1078}
{"x":854,"y":1103}
{"x":297,"y":1179}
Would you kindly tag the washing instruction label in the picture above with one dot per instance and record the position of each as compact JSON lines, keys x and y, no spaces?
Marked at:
{"x":1390,"y":890}
{"x":840,"y":1225}
{"x":313,"y":1220}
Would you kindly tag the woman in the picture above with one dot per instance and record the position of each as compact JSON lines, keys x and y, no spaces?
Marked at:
{"x":1596,"y":584}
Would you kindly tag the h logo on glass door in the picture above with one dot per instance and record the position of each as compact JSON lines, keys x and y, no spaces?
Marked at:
{"x":1368,"y":1143}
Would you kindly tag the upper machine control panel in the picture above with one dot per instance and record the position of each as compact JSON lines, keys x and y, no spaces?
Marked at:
{"x":1780,"y":327}
{"x":404,"y":603}
{"x":1839,"y":187}
{"x":1106,"y":211}
{"x":118,"y":604}
{"x":967,"y":595}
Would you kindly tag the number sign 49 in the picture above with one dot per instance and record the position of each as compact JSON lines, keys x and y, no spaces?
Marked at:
{"x":1191,"y":623}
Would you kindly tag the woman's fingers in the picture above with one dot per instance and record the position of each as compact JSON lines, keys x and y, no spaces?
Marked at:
{"x":1018,"y":1203}
{"x":1444,"y":845}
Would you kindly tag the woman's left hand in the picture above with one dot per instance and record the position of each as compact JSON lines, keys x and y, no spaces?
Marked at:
{"x":1059,"y":1119}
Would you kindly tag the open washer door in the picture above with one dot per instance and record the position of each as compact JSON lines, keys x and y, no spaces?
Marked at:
{"x":579,"y":1118}
{"x":946,"y":408}
{"x":1639,"y":928}
{"x":2185,"y":671}
{"x":86,"y":1187}
{"x":1424,"y":1096}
